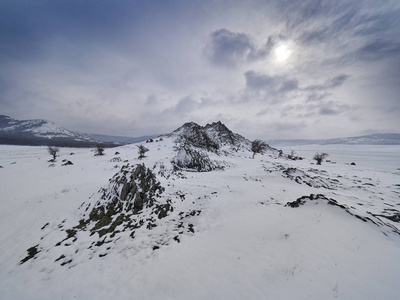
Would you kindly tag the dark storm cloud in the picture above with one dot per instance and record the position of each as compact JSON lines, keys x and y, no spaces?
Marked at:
{"x":227,"y":48}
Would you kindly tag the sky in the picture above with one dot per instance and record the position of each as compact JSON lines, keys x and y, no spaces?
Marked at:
{"x":267,"y":69}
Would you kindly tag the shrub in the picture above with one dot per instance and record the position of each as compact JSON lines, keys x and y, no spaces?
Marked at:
{"x":99,"y":150}
{"x":258,"y":146}
{"x":141,"y":151}
{"x":319,"y":157}
{"x":53,"y":151}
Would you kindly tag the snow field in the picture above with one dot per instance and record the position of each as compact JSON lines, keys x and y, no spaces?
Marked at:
{"x":246,"y":243}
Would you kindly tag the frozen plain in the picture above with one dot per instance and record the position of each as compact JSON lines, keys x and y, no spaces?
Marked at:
{"x":245,"y":244}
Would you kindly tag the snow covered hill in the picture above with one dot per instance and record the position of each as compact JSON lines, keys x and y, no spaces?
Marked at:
{"x":41,"y":132}
{"x":372,"y":139}
{"x":198,"y":218}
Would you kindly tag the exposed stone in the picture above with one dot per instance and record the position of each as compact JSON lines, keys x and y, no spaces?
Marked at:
{"x":189,"y":159}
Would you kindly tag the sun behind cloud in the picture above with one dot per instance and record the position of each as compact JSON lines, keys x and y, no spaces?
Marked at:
{"x":282,"y":53}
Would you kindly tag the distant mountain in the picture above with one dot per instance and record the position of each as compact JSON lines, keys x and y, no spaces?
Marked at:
{"x":372,"y":139}
{"x":42,"y":132}
{"x":121,"y":139}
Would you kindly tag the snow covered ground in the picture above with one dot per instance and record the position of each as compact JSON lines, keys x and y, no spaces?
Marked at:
{"x":230,"y":235}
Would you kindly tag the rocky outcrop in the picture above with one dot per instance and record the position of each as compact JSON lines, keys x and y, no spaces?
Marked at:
{"x":194,"y":143}
{"x":190,"y":159}
{"x":132,"y":204}
{"x":210,"y":137}
{"x":129,"y":192}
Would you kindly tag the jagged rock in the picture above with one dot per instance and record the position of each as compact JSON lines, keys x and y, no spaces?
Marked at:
{"x":195,"y":141}
{"x":302,"y":200}
{"x":131,"y":190}
{"x":193,"y":160}
{"x":210,"y":137}
{"x":219,"y":132}
{"x":138,"y":188}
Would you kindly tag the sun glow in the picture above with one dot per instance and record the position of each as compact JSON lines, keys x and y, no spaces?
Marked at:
{"x":282,"y":53}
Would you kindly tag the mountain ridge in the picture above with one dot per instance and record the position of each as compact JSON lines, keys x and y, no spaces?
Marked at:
{"x":38,"y":132}
{"x":371,"y":139}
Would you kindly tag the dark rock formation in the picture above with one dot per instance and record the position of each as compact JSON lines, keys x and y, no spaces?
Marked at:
{"x":210,"y":137}
{"x":190,"y":159}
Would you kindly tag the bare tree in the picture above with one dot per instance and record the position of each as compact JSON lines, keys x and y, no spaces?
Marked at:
{"x":53,"y":151}
{"x":258,"y":146}
{"x":99,"y":150}
{"x":142,"y":150}
{"x":319,"y":157}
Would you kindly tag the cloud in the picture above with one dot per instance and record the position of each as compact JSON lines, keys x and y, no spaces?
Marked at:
{"x":259,"y":81}
{"x":228,"y":49}
{"x":335,"y":24}
{"x":327,"y":111}
{"x":288,"y":85}
{"x":329,"y":84}
{"x":184,"y":107}
{"x":139,"y":65}
{"x":284,"y":84}
{"x":274,"y":84}
{"x":350,"y":30}
{"x":378,"y":49}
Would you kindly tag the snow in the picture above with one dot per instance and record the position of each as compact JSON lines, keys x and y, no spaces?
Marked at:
{"x":246,"y":242}
{"x":40,"y":129}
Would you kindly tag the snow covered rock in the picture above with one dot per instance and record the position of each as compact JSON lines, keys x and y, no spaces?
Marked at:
{"x":195,"y":144}
{"x":190,"y":159}
{"x":130,"y":190}
{"x":129,"y":202}
{"x":211,"y":137}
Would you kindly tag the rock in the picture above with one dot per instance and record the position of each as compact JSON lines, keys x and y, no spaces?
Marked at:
{"x":138,"y":188}
{"x":192,"y":160}
{"x":210,"y":137}
{"x":32,"y":251}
